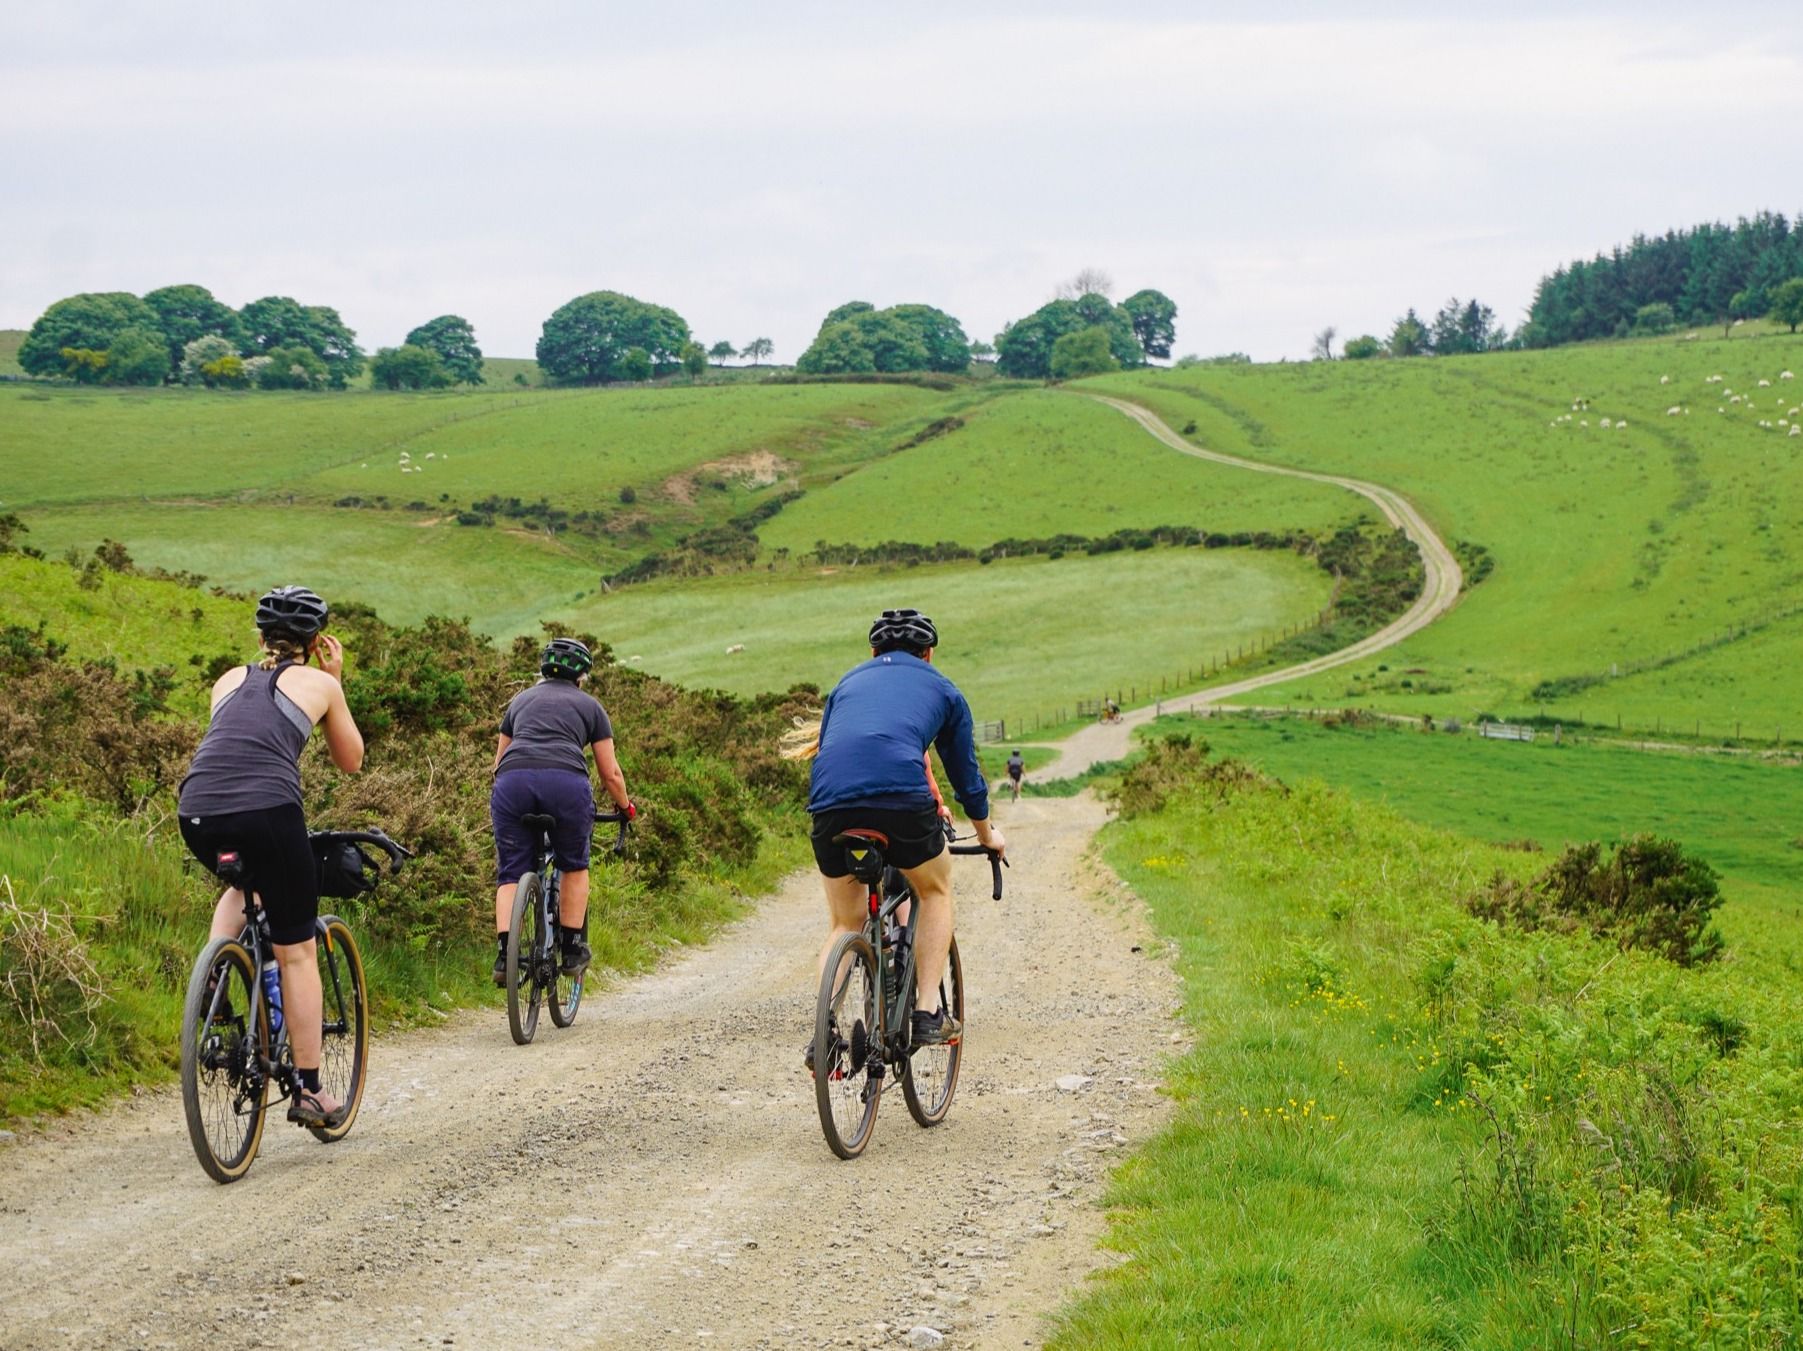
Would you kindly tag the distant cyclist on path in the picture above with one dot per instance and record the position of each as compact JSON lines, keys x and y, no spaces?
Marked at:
{"x":868,"y":774}
{"x":539,"y":768}
{"x":1017,"y":766}
{"x":242,"y":793}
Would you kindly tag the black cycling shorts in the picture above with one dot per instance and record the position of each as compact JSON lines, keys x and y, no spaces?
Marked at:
{"x":915,"y":835}
{"x":273,"y":843}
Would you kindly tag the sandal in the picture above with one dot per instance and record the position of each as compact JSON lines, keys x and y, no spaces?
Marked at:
{"x":307,"y":1110}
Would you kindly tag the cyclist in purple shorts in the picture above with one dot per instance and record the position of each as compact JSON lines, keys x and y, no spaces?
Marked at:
{"x":539,"y":769}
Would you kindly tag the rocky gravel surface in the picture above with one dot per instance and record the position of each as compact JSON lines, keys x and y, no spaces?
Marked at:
{"x":652,"y":1177}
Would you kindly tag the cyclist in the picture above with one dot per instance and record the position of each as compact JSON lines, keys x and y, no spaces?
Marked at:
{"x":869,"y":774}
{"x":1017,"y":766}
{"x":1111,"y":711}
{"x":242,"y":792}
{"x":539,"y":769}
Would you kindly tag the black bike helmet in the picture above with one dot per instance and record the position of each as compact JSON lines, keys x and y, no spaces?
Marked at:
{"x":565,"y":659}
{"x":903,"y":628}
{"x":291,"y":610}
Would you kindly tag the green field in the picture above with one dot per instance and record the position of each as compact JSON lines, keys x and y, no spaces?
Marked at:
{"x":1021,"y":637}
{"x":10,"y":339}
{"x":407,"y":565}
{"x":1612,"y":548}
{"x":1742,"y":814}
{"x":1039,"y":463}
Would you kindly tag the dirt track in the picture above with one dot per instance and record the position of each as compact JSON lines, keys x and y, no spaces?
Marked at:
{"x":653,"y":1177}
{"x":1440,"y":593}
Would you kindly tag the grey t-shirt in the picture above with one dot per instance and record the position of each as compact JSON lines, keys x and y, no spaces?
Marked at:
{"x":550,"y":724}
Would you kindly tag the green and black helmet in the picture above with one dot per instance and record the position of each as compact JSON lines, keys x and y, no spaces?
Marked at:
{"x":565,"y":659}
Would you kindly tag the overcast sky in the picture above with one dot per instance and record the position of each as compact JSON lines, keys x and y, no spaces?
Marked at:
{"x":1272,"y":167}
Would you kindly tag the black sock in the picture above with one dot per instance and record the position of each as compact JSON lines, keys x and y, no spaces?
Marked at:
{"x":309,"y":1079}
{"x":570,"y":936}
{"x":501,"y":942}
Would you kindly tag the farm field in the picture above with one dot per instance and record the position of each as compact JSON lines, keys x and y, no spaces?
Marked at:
{"x":10,"y":339}
{"x":1021,"y":637}
{"x":1038,"y":463}
{"x":1743,"y":815}
{"x":1612,"y":548}
{"x":407,"y":565}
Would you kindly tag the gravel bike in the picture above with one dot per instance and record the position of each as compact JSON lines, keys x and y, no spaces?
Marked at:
{"x":534,"y":969}
{"x":864,"y":1018}
{"x":235,"y":1041}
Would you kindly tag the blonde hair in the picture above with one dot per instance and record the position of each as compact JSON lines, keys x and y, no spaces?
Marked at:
{"x":281,"y":648}
{"x":802,"y":741}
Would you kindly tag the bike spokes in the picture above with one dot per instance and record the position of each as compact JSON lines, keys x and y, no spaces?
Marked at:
{"x":225,"y":1031}
{"x":932,"y":1072}
{"x":344,"y":1047}
{"x":848,"y":1058}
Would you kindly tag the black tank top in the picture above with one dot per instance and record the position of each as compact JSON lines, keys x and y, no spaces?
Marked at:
{"x":250,"y":757}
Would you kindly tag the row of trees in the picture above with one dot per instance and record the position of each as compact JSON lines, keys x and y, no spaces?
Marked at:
{"x":857,"y":337}
{"x":1086,"y":333}
{"x":1461,"y":328}
{"x":1711,"y":274}
{"x":183,"y":333}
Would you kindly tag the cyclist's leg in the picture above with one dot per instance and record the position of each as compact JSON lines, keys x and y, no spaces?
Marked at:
{"x":572,"y":898}
{"x":508,"y":800}
{"x":303,"y":1008}
{"x":281,"y":859}
{"x":931,"y":883}
{"x":228,"y":915}
{"x":847,"y":904}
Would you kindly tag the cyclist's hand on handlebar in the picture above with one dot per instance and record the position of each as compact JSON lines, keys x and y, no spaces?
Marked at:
{"x":630,"y":811}
{"x":990,"y":837}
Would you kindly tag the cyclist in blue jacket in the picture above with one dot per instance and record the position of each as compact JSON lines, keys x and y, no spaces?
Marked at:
{"x":870,"y":772}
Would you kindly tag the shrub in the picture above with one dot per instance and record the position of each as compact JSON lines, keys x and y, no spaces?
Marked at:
{"x":1648,"y":894}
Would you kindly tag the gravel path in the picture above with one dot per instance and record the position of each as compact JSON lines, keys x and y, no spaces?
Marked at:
{"x":653,"y":1177}
{"x":1440,"y":593}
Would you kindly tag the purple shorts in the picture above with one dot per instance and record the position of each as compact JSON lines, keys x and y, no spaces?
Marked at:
{"x":561,"y":793}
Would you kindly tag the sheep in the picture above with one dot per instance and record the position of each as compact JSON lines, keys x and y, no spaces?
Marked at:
{"x":1673,"y":411}
{"x":1607,"y":423}
{"x":1786,"y":375}
{"x":1713,"y":380}
{"x":1765,"y":384}
{"x":736,"y":647}
{"x":1665,"y":379}
{"x":1796,"y":429}
{"x":1621,"y":426}
{"x":430,"y":454}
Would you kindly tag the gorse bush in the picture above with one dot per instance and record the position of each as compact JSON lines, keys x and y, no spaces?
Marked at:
{"x":1647,"y":894}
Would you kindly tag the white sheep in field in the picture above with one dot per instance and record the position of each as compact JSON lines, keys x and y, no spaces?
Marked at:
{"x":1786,"y":375}
{"x":1713,"y":380}
{"x":736,"y":647}
{"x":1607,"y":423}
{"x":1673,"y":411}
{"x":1665,"y":379}
{"x":1765,"y":384}
{"x":1621,"y":426}
{"x":430,"y":454}
{"x":1796,"y":430}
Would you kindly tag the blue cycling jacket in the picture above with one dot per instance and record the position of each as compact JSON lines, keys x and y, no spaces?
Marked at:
{"x":878,"y":723}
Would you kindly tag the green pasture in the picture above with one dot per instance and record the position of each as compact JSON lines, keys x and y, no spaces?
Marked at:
{"x":136,"y":622}
{"x":1613,"y":548}
{"x":1022,"y":637}
{"x":1742,"y":814}
{"x":406,"y":564}
{"x":498,"y":371}
{"x":10,"y":340}
{"x":1038,"y":463}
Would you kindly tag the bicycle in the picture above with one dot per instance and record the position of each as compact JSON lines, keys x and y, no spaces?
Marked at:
{"x":534,"y":970}
{"x":867,"y":989}
{"x":235,"y":1042}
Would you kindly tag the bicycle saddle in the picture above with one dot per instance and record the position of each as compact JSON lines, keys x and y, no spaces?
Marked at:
{"x":863,"y":853}
{"x":538,"y":821}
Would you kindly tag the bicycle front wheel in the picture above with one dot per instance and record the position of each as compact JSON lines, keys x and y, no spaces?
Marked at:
{"x":525,"y":950}
{"x":223,"y":1086}
{"x":932,"y":1071}
{"x":344,"y":1047}
{"x":848,"y":1046}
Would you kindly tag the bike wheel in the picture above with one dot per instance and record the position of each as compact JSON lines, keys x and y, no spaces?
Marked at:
{"x":565,"y":994}
{"x":525,"y":949}
{"x":223,"y":1087}
{"x":344,"y":1048}
{"x":848,"y":1046}
{"x":931,"y":1075}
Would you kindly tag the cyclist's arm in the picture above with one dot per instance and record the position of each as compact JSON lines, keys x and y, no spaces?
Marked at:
{"x":933,"y":782}
{"x":611,"y":777}
{"x":957,"y":747}
{"x":344,"y":743}
{"x":502,"y":742}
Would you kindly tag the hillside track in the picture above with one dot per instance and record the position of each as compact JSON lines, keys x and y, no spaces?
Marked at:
{"x":1443,"y":582}
{"x":652,"y":1177}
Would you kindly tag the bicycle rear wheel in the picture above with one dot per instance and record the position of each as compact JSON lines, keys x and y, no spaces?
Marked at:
{"x":344,"y":1048}
{"x":931,"y":1075}
{"x":848,"y":1046}
{"x":525,"y":949}
{"x":224,"y":1089}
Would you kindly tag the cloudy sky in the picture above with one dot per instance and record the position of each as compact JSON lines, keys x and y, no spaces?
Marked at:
{"x":1274,"y":167}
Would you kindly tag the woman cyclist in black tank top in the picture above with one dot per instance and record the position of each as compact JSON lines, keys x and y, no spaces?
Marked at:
{"x":242,"y":792}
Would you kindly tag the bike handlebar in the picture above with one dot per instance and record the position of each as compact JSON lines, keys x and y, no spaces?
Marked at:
{"x":396,"y":851}
{"x":996,"y":863}
{"x":625,"y":822}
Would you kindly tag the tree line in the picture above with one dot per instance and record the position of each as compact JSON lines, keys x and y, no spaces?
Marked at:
{"x":182,"y":334}
{"x":1710,"y":274}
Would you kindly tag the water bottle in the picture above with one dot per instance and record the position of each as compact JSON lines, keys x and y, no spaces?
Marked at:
{"x":272,"y":991}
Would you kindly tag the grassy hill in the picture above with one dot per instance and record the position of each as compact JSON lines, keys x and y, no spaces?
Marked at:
{"x":1614,"y":548}
{"x":10,"y":338}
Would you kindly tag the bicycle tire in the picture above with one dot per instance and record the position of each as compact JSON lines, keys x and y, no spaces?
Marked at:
{"x":564,"y":996}
{"x":846,"y":1094}
{"x":344,"y":1042}
{"x":931,"y":1075}
{"x":525,"y":947}
{"x":224,"y":1092}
